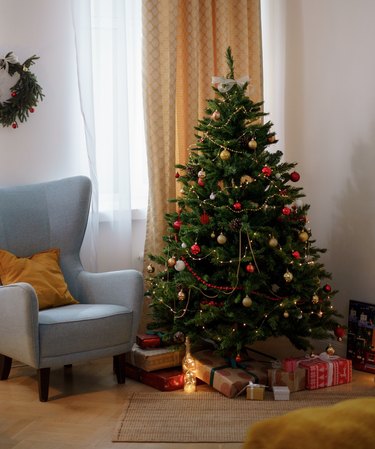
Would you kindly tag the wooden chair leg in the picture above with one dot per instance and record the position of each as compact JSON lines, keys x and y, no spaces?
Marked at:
{"x":119,"y":367}
{"x":43,"y":383}
{"x":5,"y":366}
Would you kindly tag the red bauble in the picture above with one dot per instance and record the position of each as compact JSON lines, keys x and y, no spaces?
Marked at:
{"x":200,"y":182}
{"x":205,"y":219}
{"x":195,"y":249}
{"x":267,"y":171}
{"x":31,"y":110}
{"x":177,"y":175}
{"x":237,"y":206}
{"x":238,"y":358}
{"x":339,"y":333}
{"x":327,"y":288}
{"x":250,"y":268}
{"x":296,"y":254}
{"x":13,"y":94}
{"x":286,"y":210}
{"x":177,"y":224}
{"x":14,"y":125}
{"x":294,"y":176}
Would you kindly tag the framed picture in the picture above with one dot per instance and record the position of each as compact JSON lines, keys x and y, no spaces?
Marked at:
{"x":361,"y":336}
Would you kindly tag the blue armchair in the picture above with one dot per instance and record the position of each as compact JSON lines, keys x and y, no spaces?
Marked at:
{"x":104,"y":321}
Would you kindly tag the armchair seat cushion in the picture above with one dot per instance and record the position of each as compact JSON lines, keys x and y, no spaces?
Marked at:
{"x":80,"y":328}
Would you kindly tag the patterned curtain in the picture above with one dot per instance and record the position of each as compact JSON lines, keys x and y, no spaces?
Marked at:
{"x":184,"y":45}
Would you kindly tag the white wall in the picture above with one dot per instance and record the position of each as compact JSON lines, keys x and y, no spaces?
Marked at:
{"x":320,"y":73}
{"x":48,"y":145}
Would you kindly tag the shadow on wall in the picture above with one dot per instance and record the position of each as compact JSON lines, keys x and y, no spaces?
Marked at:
{"x":353,"y":235}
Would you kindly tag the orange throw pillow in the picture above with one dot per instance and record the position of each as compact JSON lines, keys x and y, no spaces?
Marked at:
{"x":42,"y":271}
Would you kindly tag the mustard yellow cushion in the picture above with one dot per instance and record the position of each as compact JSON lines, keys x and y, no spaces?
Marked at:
{"x":42,"y":271}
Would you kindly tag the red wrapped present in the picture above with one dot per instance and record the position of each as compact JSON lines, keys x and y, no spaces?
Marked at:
{"x":295,"y":380}
{"x":147,"y":341}
{"x":219,"y":373}
{"x":326,"y":371}
{"x":169,"y":379}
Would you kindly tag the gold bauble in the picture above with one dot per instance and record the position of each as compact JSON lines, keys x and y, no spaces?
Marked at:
{"x":315,"y":299}
{"x":330,"y":350}
{"x":150,"y":268}
{"x":221,"y":239}
{"x":246,"y":179}
{"x":252,"y":144}
{"x":215,"y":116}
{"x":247,"y":301}
{"x":273,"y":242}
{"x":181,"y":295}
{"x":286,"y":314}
{"x":225,"y":155}
{"x":288,"y":276}
{"x":303,"y":236}
{"x":171,"y":262}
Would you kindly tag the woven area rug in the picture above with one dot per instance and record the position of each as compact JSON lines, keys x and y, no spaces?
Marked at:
{"x":207,"y":416}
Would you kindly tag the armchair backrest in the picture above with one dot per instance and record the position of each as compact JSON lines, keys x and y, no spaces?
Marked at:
{"x":53,"y":214}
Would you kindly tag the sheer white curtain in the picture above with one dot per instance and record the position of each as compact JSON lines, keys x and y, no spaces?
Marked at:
{"x":108,"y":35}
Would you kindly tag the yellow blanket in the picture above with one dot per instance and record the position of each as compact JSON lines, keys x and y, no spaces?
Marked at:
{"x":348,"y":424}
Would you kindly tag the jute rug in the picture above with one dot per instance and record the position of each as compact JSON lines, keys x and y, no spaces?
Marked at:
{"x":208,"y":416}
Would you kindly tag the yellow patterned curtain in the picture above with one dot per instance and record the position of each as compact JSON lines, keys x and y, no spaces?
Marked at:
{"x":184,"y":46}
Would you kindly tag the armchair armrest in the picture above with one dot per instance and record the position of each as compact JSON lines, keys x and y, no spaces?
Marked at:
{"x":19,"y":337}
{"x":124,"y":287}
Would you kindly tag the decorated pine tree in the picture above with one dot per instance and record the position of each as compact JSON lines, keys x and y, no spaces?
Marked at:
{"x":239,"y":263}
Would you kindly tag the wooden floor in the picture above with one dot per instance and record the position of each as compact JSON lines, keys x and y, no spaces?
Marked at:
{"x":85,"y":403}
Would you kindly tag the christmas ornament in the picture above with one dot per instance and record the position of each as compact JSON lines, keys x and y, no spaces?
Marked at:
{"x":288,"y":276}
{"x":177,"y":175}
{"x":267,"y":171}
{"x":238,"y":358}
{"x":201,"y":174}
{"x":327,"y":288}
{"x":183,"y":245}
{"x":303,"y":236}
{"x":286,"y":314}
{"x":179,"y":337}
{"x":204,"y":218}
{"x":315,"y":299}
{"x":296,"y":254}
{"x":252,"y":144}
{"x":179,"y":265}
{"x":294,"y":176}
{"x":247,"y":301}
{"x":330,"y":350}
{"x":250,"y":268}
{"x":212,"y":196}
{"x":286,"y":211}
{"x":213,"y":235}
{"x":272,"y":242}
{"x":177,"y":224}
{"x":200,"y":182}
{"x":225,"y":155}
{"x":171,"y":262}
{"x":150,"y":268}
{"x":221,"y":239}
{"x":19,"y":90}
{"x":246,"y":179}
{"x":181,"y":295}
{"x":216,"y":116}
{"x":237,"y":206}
{"x":195,"y":249}
{"x":339,"y":333}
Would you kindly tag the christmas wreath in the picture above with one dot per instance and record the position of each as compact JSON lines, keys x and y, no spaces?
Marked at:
{"x":19,"y":90}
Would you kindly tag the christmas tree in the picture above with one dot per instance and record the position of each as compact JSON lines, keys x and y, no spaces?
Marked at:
{"x":239,"y":263}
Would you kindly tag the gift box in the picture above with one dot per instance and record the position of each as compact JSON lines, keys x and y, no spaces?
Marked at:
{"x":326,"y":371}
{"x":169,"y":379}
{"x":255,"y":392}
{"x":147,"y":341}
{"x":155,"y":359}
{"x":281,"y":393}
{"x":295,"y":380}
{"x":227,"y":378}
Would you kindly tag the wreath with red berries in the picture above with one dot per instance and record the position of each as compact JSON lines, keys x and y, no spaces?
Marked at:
{"x":17,"y":100}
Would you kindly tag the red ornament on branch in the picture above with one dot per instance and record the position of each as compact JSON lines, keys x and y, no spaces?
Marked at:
{"x":294,"y":176}
{"x":339,"y":333}
{"x":267,"y":171}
